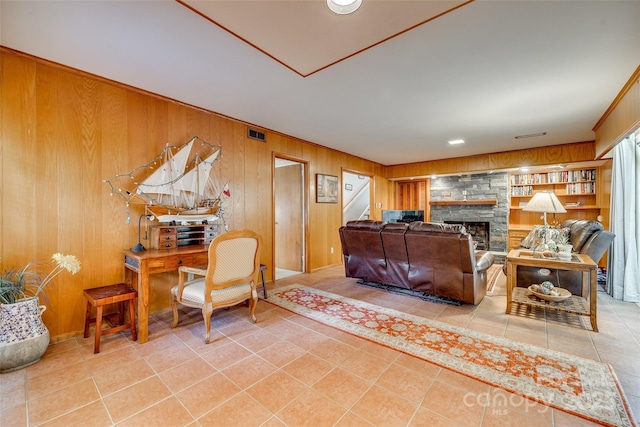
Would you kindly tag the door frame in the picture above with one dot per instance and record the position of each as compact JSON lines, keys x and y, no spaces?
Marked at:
{"x":305,"y":213}
{"x":371,"y":190}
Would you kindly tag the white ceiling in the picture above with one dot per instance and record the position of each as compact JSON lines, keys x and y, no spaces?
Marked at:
{"x":410,"y":76}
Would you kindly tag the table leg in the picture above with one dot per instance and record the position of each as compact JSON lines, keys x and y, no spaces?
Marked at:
{"x":593,"y":298}
{"x":143,"y":303}
{"x":511,"y":278}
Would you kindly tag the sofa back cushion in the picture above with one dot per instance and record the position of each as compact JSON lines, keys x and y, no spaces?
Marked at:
{"x":581,"y":231}
{"x":362,"y":249}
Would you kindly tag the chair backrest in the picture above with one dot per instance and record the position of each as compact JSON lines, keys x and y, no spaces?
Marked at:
{"x":234,"y":258}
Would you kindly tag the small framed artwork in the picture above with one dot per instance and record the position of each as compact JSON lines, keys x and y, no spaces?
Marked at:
{"x":348,"y":187}
{"x":326,"y":188}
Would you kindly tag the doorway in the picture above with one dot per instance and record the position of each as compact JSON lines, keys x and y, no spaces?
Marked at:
{"x":289,"y":203}
{"x":356,"y":196}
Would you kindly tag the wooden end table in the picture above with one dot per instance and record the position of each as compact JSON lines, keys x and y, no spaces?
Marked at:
{"x":581,"y":305}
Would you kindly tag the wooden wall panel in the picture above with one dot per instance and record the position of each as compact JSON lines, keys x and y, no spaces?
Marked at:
{"x":621,"y":118}
{"x":567,"y":153}
{"x":64,"y":132}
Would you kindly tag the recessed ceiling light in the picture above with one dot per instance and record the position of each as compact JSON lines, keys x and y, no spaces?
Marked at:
{"x":531,"y":135}
{"x":456,"y":141}
{"x":343,"y":7}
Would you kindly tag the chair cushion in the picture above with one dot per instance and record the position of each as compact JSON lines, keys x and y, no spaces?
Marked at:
{"x":194,"y":292}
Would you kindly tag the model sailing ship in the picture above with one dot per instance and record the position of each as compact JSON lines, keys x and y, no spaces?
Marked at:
{"x":177,"y":185}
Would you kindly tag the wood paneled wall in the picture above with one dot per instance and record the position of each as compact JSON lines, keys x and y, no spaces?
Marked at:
{"x":63,"y":132}
{"x":621,"y":118}
{"x":566,"y":153}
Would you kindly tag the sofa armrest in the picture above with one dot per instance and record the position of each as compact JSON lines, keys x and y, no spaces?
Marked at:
{"x":484,"y":260}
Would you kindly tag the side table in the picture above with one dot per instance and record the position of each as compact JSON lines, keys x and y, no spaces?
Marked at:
{"x":582,"y":305}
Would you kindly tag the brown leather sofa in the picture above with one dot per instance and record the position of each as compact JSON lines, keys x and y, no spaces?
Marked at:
{"x":435,"y":259}
{"x":587,"y":237}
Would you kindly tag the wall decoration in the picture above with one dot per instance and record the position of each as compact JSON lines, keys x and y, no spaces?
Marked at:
{"x":326,"y":188}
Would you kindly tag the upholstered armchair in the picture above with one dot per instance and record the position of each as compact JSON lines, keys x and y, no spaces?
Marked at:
{"x":230,"y":278}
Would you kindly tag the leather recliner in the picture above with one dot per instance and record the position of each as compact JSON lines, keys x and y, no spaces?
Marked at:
{"x":587,"y":237}
{"x":436,"y":259}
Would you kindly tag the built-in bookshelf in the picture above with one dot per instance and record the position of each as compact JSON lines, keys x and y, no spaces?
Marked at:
{"x":576,"y":189}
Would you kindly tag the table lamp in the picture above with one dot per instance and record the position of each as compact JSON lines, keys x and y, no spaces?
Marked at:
{"x":544,"y":202}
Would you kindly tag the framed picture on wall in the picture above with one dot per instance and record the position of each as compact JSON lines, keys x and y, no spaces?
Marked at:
{"x":326,"y":188}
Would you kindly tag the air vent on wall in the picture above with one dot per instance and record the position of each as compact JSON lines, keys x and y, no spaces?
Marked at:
{"x":260,"y":136}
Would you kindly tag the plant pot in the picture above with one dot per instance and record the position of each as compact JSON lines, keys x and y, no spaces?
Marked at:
{"x":23,"y":335}
{"x":565,"y":248}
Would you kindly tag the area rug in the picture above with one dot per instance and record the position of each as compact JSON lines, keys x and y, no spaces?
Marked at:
{"x":492,"y":276}
{"x":576,"y":385}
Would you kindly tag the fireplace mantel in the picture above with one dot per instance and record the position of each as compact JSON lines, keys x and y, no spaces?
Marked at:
{"x":463,"y":202}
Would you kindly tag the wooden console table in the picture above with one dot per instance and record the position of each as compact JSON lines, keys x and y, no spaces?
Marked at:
{"x":138,"y":266}
{"x":585,"y":306}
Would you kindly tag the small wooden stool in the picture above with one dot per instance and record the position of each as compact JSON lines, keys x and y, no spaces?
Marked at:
{"x":110,"y":294}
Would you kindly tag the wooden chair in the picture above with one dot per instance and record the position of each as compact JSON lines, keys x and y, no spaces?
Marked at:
{"x":230,"y":278}
{"x":105,"y":295}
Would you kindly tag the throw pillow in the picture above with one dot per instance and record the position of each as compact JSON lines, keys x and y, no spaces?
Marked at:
{"x":536,"y":236}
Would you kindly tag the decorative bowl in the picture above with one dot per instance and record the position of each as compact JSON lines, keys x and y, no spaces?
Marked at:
{"x":564,"y":294}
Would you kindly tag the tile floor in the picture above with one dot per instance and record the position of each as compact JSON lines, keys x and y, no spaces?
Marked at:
{"x":289,"y":371}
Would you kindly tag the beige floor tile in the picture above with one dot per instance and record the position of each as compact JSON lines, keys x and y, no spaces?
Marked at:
{"x":240,"y":411}
{"x":365,"y":365}
{"x":166,"y":413}
{"x":249,"y":371}
{"x":405,"y":382}
{"x":166,"y":359}
{"x":281,"y":353}
{"x":93,"y":414}
{"x":308,"y":368}
{"x":426,"y":418}
{"x":277,"y":390}
{"x":54,"y":380}
{"x":222,"y":356}
{"x":206,"y":395}
{"x":340,"y":379}
{"x":383,"y":408}
{"x":14,"y":416}
{"x":333,"y":351}
{"x":311,"y":409}
{"x":61,"y":401}
{"x":187,"y":374}
{"x":342,"y":387}
{"x":128,"y":401}
{"x":460,"y":405}
{"x":127,"y":374}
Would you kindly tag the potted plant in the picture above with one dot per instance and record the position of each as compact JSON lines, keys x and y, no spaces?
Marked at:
{"x":23,"y":336}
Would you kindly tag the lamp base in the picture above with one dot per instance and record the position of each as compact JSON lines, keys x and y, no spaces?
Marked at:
{"x":138,"y":248}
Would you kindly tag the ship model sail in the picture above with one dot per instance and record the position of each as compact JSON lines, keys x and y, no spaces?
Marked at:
{"x":177,"y":185}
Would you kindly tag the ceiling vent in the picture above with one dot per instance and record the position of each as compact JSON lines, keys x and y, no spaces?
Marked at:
{"x":255,"y":134}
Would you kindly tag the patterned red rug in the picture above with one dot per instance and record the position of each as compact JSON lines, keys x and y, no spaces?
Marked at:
{"x":576,"y":385}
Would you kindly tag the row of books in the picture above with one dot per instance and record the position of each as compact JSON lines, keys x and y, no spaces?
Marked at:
{"x":554,"y":177}
{"x":573,"y":188}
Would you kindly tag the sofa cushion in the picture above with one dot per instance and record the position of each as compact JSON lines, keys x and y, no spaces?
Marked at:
{"x":437,"y":227}
{"x":581,"y":231}
{"x":366,"y":223}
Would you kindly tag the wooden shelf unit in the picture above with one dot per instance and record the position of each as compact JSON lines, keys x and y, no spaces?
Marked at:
{"x":576,"y":189}
{"x":177,"y":236}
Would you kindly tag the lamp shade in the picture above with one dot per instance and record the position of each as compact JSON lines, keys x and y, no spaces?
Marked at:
{"x":544,"y":202}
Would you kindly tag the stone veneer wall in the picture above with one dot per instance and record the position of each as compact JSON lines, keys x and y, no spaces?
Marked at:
{"x":477,"y":186}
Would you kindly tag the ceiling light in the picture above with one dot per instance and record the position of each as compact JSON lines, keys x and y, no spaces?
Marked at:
{"x":456,"y":141}
{"x":344,"y":7}
{"x":531,"y":135}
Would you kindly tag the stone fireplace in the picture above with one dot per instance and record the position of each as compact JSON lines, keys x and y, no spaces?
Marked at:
{"x":480,"y":232}
{"x":460,"y":199}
